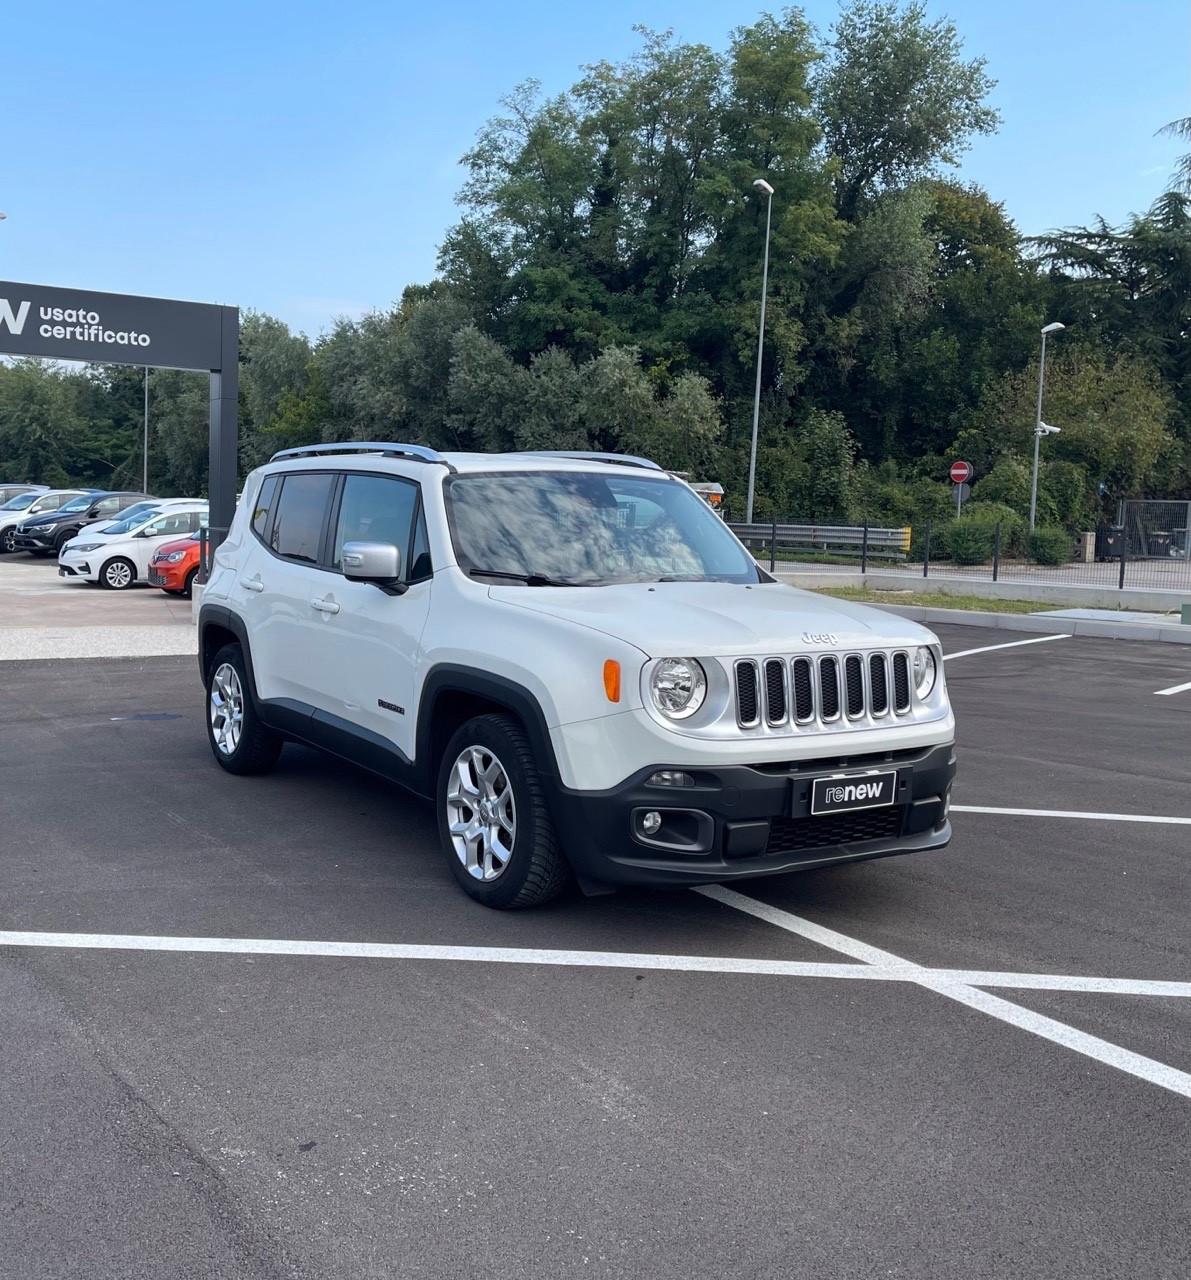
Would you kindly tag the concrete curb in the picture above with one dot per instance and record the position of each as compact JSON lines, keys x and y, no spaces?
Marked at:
{"x":1104,"y":629}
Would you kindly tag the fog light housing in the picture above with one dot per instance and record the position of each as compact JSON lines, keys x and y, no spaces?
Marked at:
{"x":669,"y":778}
{"x":651,"y":822}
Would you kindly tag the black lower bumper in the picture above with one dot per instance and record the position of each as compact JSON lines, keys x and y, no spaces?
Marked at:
{"x":33,"y":542}
{"x":751,"y":820}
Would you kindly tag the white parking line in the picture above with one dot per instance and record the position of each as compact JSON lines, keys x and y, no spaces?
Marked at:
{"x":1174,"y":688}
{"x":1105,"y":1051}
{"x":1071,"y":813}
{"x":1012,"y":644}
{"x":882,"y":967}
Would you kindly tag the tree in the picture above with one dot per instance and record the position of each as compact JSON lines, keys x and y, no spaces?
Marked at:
{"x":1182,"y":170}
{"x":897,"y":99}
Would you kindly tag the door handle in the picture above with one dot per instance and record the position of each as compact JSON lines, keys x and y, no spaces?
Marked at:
{"x":324,"y":606}
{"x":252,"y":584}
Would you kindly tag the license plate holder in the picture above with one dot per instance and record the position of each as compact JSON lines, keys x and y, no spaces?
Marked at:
{"x":847,"y":792}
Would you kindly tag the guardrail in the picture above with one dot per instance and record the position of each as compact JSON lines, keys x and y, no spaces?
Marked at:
{"x":847,"y":542}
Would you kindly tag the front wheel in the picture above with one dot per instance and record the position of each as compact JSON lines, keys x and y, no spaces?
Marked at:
{"x":240,"y":741}
{"x":8,"y":540}
{"x":493,"y":822}
{"x":117,"y":574}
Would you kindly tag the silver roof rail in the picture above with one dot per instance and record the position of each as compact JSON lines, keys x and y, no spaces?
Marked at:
{"x":387,"y":449}
{"x":584,"y":455}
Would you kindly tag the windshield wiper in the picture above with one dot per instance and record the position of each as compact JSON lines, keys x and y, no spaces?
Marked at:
{"x":530,"y":579}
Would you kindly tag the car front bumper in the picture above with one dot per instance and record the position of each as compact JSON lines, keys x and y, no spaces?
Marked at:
{"x":169,"y":577}
{"x":746,"y":820}
{"x":34,"y":541}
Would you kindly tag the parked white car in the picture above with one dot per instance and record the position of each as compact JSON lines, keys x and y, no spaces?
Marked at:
{"x":117,"y":559}
{"x":27,"y":505}
{"x":134,"y":516}
{"x":575,"y":657}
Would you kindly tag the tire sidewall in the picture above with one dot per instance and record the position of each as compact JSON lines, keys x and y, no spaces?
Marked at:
{"x":489,"y":731}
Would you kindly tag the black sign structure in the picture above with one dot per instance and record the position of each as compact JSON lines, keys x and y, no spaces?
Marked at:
{"x":120,"y":328}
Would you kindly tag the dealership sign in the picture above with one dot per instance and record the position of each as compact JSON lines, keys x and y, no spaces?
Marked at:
{"x":117,"y":328}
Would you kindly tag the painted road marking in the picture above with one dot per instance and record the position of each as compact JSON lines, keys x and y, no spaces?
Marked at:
{"x":875,"y":966}
{"x":1174,"y":688}
{"x":1060,"y":1033}
{"x":1071,"y":813}
{"x":1012,"y":644}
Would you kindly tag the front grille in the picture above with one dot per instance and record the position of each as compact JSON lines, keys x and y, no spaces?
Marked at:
{"x":746,"y":692}
{"x":792,"y":835}
{"x":809,"y":692}
{"x":775,"y":691}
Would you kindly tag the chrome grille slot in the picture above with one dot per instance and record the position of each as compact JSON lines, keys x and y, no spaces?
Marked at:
{"x":878,"y":683}
{"x":803,"y":692}
{"x":747,"y":710}
{"x":901,"y":683}
{"x":775,"y":691}
{"x":829,"y":702}
{"x":854,"y":686}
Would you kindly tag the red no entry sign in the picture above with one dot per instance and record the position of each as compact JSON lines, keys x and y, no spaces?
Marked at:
{"x":961,"y":472}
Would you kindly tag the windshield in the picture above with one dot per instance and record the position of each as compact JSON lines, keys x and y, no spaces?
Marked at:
{"x":21,"y":502}
{"x":129,"y":520}
{"x":78,"y":504}
{"x":580,"y":529}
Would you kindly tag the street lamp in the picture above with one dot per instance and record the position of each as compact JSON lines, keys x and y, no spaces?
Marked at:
{"x":761,"y":185}
{"x":1040,"y":427}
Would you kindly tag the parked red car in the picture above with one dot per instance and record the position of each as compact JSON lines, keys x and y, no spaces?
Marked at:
{"x":174,"y":565}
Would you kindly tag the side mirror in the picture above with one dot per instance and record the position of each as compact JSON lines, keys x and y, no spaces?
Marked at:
{"x":375,"y":562}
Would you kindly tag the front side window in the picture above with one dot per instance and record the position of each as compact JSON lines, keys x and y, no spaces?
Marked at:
{"x":175,"y":523}
{"x":578,"y":528}
{"x":375,"y":509}
{"x":109,"y":506}
{"x":298,"y":525}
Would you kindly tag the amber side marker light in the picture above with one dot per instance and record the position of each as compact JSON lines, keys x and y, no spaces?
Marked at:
{"x":612,"y":680}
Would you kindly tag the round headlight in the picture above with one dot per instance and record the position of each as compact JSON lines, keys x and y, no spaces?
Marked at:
{"x":678,"y":687}
{"x":924,"y":671}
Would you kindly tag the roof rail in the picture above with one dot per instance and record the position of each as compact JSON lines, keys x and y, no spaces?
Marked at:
{"x":584,"y":455}
{"x":387,"y":449}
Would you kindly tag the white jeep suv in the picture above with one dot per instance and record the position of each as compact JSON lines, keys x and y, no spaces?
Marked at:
{"x":577,"y":661}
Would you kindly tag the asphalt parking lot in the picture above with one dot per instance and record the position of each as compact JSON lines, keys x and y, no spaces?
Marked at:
{"x":991,"y":1079}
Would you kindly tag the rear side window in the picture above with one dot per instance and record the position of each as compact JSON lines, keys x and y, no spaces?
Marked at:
{"x":265,"y":498}
{"x":301,"y":510}
{"x":375,"y":509}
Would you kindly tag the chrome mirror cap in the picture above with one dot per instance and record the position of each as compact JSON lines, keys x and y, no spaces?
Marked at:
{"x":371,"y":561}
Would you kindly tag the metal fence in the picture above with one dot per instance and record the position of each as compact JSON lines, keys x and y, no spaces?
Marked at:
{"x":1147,"y":549}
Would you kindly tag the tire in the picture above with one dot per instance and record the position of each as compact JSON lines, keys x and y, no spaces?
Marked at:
{"x":188,"y":586}
{"x":253,"y":748}
{"x":61,"y":540}
{"x":533,"y":868}
{"x":8,"y":543}
{"x":117,"y":574}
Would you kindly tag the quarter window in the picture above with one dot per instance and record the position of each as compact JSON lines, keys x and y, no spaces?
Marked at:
{"x":298,"y":525}
{"x":265,"y":497}
{"x":376,"y":509}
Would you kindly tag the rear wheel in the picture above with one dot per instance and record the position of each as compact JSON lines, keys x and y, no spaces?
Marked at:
{"x":493,"y":822}
{"x":239,"y":740}
{"x":117,"y":574}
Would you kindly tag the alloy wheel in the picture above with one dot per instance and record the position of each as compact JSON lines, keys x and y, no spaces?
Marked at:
{"x":117,"y":575}
{"x":481,"y":813}
{"x":226,"y":709}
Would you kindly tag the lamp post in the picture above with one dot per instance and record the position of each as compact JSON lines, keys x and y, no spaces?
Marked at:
{"x":1040,"y":428}
{"x":761,"y":185}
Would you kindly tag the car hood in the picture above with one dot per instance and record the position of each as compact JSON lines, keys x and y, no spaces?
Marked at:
{"x":51,"y":517}
{"x":178,"y":544}
{"x":715,"y":619}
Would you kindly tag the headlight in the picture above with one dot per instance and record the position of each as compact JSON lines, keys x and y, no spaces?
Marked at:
{"x":82,"y":546}
{"x":925,"y":671}
{"x":678,"y":687}
{"x":173,"y":557}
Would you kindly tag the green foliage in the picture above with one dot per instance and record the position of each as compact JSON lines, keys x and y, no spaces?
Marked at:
{"x":601,"y":291}
{"x":969,"y":541}
{"x":1050,"y":545}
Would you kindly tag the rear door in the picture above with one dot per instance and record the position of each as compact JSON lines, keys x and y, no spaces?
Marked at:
{"x":279,"y":581}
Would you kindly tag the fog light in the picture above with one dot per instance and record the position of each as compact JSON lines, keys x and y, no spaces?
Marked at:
{"x":669,"y":778}
{"x":651,"y":823}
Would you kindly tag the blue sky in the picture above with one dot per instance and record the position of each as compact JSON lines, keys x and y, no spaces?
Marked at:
{"x":302,"y":158}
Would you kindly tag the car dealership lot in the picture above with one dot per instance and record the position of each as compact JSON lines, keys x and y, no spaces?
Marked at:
{"x":223,"y":1107}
